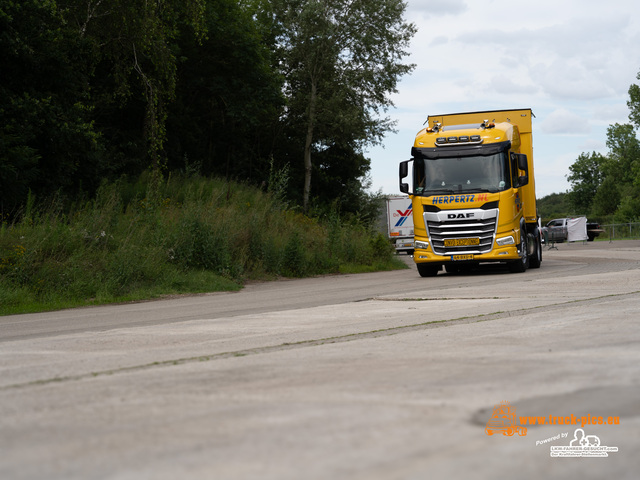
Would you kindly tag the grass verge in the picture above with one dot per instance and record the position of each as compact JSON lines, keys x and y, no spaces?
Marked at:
{"x":147,"y":239}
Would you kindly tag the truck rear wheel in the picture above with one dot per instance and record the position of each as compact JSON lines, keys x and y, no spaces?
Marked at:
{"x":427,"y":269}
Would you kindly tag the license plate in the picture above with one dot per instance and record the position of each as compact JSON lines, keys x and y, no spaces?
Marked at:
{"x":457,"y":258}
{"x":461,"y":242}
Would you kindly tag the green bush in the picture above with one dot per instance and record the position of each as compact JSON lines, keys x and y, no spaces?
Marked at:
{"x":149,"y":237}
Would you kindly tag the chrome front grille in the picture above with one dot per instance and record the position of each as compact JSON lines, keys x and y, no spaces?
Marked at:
{"x":461,"y":224}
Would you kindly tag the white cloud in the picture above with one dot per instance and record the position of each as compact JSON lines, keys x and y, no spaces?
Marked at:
{"x":508,"y":85}
{"x":564,"y":122}
{"x":593,"y":145}
{"x":570,"y":79}
{"x":608,"y":114}
{"x":437,"y":8}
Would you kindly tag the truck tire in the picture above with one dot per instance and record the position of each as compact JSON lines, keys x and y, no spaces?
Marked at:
{"x":427,"y":269}
{"x":521,"y":265}
{"x":535,"y":259}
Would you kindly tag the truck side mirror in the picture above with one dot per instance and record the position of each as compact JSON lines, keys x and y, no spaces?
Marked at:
{"x":403,"y":172}
{"x":522,"y":161}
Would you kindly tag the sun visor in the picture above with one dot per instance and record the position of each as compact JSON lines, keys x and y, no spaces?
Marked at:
{"x":460,"y":151}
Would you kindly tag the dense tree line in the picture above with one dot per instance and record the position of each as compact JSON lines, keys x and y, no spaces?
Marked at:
{"x":554,"y":205}
{"x":608,"y":186}
{"x":96,"y":89}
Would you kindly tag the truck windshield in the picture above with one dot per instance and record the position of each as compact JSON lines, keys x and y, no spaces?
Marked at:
{"x":478,"y":173}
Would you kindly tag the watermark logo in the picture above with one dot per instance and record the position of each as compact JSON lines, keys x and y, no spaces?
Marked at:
{"x":503,"y":420}
{"x":583,"y":445}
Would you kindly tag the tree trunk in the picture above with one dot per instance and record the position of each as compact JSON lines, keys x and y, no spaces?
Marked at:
{"x":307,"y":147}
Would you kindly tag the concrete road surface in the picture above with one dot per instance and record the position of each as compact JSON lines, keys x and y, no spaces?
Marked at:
{"x":373,"y":376}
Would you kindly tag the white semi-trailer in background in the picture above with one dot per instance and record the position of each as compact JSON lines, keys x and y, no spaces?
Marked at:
{"x":400,"y":223}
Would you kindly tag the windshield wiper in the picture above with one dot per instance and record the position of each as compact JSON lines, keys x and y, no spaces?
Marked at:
{"x":440,"y":191}
{"x":482,"y":190}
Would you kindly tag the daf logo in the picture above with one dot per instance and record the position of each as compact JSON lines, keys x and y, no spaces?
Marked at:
{"x":452,"y":216}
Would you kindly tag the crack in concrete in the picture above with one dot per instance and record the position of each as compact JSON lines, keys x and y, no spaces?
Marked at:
{"x":322,"y":341}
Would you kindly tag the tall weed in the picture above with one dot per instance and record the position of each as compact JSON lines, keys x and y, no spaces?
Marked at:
{"x":153,"y":236}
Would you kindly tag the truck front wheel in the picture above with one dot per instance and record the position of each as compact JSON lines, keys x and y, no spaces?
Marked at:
{"x":428,"y":269}
{"x":521,"y":265}
{"x":535,"y":258}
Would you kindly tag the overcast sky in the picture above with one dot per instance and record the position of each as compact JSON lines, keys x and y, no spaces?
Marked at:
{"x":570,"y":61}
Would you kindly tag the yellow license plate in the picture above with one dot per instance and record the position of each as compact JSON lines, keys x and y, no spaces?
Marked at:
{"x":461,"y":242}
{"x":457,"y":258}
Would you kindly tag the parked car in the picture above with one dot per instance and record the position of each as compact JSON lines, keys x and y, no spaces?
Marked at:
{"x":557,"y":230}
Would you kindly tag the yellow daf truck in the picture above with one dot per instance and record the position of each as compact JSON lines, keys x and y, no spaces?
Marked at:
{"x":471,"y":183}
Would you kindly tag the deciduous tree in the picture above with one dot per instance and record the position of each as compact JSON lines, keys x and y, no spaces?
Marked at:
{"x":46,"y":133}
{"x":634,"y":103}
{"x":585,"y":179}
{"x":341,"y":60}
{"x":228,"y":96}
{"x":137,"y":41}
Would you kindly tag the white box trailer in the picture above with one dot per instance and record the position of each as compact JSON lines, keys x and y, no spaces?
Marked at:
{"x":400,"y":223}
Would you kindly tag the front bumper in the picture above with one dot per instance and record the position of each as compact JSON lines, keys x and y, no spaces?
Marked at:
{"x":497,"y":254}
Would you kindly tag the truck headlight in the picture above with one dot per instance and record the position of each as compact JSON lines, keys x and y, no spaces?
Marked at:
{"x":505,"y":241}
{"x":422,"y":245}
